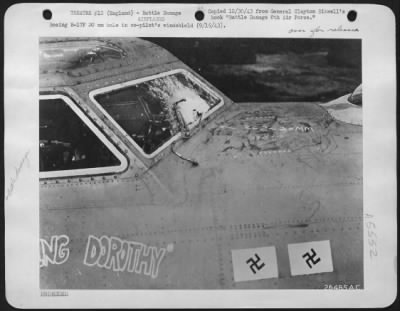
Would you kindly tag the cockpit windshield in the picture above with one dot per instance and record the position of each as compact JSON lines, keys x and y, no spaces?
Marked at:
{"x":153,"y":110}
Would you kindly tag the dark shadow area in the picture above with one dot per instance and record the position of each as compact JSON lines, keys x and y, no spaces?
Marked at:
{"x":259,"y":69}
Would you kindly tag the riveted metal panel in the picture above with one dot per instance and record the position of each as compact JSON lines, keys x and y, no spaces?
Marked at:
{"x":140,"y":54}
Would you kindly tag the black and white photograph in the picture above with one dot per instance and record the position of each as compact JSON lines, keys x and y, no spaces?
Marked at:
{"x":200,"y":163}
{"x":200,"y":155}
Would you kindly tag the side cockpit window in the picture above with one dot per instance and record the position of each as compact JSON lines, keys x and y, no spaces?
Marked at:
{"x":147,"y":109}
{"x":70,"y":144}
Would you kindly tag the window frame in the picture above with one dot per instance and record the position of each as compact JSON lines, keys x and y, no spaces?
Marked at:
{"x":85,"y":171}
{"x":126,"y":84}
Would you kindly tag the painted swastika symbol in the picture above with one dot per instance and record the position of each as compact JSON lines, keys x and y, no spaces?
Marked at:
{"x":311,"y":258}
{"x":253,"y":263}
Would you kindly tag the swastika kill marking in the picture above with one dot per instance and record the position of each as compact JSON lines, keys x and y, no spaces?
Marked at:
{"x":310,"y":257}
{"x":254,"y":263}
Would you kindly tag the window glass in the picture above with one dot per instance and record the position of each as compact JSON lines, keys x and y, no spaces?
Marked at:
{"x":66,"y":142}
{"x":145,"y":110}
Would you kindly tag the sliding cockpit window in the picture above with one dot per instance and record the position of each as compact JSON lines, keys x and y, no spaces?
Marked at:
{"x":70,"y":144}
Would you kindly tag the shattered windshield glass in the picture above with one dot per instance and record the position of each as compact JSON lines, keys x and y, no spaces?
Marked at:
{"x":146,"y":111}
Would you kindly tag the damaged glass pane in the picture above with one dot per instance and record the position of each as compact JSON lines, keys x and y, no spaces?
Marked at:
{"x":66,"y":143}
{"x":146,"y":110}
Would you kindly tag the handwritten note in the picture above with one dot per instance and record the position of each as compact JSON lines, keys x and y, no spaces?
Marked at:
{"x":15,"y":176}
{"x":320,"y":29}
{"x":372,"y":236}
